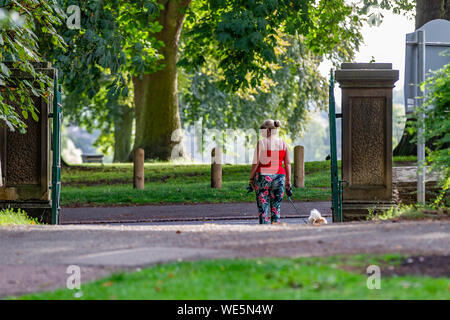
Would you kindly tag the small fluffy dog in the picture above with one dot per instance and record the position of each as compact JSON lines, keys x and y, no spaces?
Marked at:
{"x":316,"y":218}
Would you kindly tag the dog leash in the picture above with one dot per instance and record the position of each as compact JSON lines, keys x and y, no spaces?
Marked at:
{"x":295,"y":208}
{"x":289,"y":194}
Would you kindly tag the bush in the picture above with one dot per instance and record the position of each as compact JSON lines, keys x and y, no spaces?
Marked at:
{"x":436,"y":108}
{"x":410,"y":212}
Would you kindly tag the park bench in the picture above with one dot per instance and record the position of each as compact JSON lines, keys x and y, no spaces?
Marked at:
{"x":92,"y":158}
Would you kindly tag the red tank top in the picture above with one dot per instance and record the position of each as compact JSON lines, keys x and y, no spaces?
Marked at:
{"x":271,"y":161}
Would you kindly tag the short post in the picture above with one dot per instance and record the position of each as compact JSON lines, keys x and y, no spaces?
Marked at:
{"x":216,"y":168}
{"x":299,"y":166}
{"x":138,"y":166}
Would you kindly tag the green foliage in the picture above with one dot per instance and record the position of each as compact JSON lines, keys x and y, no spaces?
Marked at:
{"x":20,"y":23}
{"x":287,"y":95}
{"x":397,"y":6}
{"x":15,"y":217}
{"x":115,"y":42}
{"x":410,"y":212}
{"x":242,"y":35}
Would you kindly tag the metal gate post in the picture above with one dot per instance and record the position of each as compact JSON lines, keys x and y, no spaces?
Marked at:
{"x":336,"y":183}
{"x":333,"y":155}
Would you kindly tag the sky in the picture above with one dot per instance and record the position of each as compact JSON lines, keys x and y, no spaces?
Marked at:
{"x":386,"y":43}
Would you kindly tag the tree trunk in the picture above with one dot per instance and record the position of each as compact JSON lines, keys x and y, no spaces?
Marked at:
{"x":156,"y":94}
{"x":426,"y":10}
{"x":123,"y":130}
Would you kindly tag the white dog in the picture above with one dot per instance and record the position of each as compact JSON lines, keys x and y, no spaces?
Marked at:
{"x":316,"y":218}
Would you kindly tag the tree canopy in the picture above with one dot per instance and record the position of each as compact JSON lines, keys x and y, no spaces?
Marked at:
{"x":250,"y":57}
{"x":242,"y":35}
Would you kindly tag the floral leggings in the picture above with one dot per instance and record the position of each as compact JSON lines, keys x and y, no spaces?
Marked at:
{"x":269,"y":194}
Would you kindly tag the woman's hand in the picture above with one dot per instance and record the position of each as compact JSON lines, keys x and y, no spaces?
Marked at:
{"x":288,"y":188}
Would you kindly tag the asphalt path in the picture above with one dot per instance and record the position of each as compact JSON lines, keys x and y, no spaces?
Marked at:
{"x":185,"y":212}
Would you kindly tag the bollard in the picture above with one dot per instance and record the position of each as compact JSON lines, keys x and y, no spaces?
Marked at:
{"x":138,"y":166}
{"x":216,"y":168}
{"x":299,"y":166}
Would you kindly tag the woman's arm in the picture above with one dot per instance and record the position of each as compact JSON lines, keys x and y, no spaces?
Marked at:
{"x":287,"y":164}
{"x":252,"y":173}
{"x":255,"y":164}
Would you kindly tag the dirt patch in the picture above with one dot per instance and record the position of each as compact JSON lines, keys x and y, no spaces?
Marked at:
{"x":435,"y":266}
{"x":432,"y":266}
{"x":26,"y":279}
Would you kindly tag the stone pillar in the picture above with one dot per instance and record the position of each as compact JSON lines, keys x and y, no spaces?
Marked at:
{"x":138,"y":168}
{"x":216,"y":168}
{"x":26,"y":158}
{"x":299,"y":166}
{"x":366,"y":136}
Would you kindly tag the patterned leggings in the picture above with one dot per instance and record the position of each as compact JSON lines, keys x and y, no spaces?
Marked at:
{"x":269,"y":194}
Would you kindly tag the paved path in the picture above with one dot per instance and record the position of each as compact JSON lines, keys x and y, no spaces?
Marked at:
{"x":36,"y":257}
{"x":184,"y":212}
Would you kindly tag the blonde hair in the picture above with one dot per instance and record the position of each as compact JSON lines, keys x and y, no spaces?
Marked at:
{"x":271,"y":124}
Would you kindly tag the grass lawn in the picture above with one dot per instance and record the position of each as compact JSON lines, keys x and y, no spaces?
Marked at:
{"x":112,"y":184}
{"x":338,"y":277}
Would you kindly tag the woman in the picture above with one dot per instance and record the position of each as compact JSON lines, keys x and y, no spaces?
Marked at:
{"x":268,"y":176}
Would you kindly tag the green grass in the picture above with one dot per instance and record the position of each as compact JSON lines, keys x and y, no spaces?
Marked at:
{"x":112,"y":184}
{"x":15,"y":217}
{"x":401,"y":160}
{"x":262,"y":278}
{"x":97,"y":185}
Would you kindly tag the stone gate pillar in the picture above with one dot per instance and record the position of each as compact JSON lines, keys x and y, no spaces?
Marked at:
{"x":26,"y":158}
{"x":366,"y":136}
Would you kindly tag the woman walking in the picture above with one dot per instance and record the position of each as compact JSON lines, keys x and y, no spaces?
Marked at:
{"x":268,"y":176}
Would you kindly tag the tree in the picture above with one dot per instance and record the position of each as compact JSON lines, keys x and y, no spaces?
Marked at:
{"x":426,"y":10}
{"x":241,"y":37}
{"x":155,"y":94}
{"x":139,"y":40}
{"x":287,"y":95}
{"x":112,"y":116}
{"x":114,"y":43}
{"x":19,"y":23}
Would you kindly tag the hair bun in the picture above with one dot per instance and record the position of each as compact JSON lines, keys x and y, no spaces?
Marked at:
{"x":277,"y":123}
